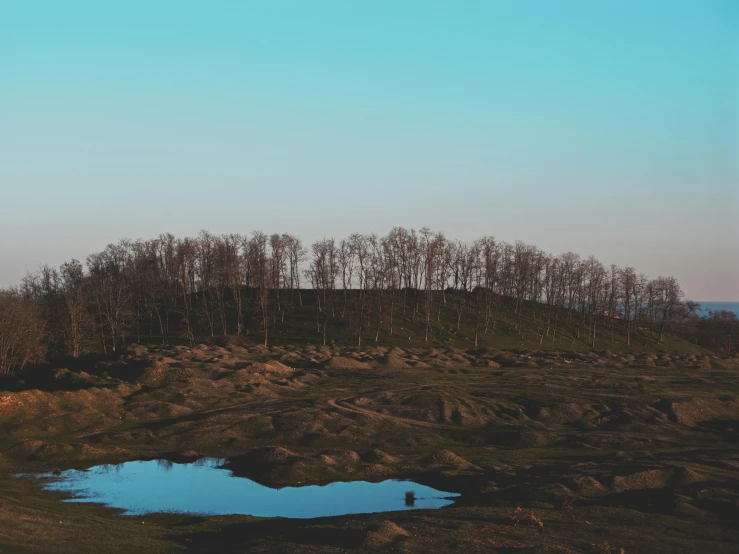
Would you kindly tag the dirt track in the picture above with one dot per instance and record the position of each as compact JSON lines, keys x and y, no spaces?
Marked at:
{"x":649,"y":456}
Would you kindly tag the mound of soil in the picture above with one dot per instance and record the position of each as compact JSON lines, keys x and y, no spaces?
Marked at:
{"x":261,"y":461}
{"x":339,"y":458}
{"x":66,"y":379}
{"x":272,"y":367}
{"x":341,"y":362}
{"x":54,"y":453}
{"x":138,"y":350}
{"x":696,"y":411}
{"x":377,"y":352}
{"x":375,"y":470}
{"x":292,"y":358}
{"x":270,"y":454}
{"x":160,"y":375}
{"x":446,"y":458}
{"x":562,"y":413}
{"x":588,"y":486}
{"x":395,"y":358}
{"x":379,"y":457}
{"x":687,"y":476}
{"x":649,"y":479}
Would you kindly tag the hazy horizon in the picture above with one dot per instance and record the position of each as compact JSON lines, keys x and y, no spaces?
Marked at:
{"x":607,"y":128}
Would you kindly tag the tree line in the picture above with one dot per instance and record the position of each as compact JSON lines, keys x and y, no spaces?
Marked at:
{"x":185,"y":290}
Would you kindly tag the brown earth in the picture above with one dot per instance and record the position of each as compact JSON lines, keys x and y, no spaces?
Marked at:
{"x":599,"y":451}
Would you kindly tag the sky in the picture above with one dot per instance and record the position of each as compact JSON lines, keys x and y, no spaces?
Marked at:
{"x":608,"y":128}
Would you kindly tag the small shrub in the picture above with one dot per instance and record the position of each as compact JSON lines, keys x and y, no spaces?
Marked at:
{"x":410,"y":498}
{"x":517,"y":515}
{"x":535,"y":520}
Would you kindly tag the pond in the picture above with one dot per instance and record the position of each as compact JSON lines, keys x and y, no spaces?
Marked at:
{"x":204,"y":487}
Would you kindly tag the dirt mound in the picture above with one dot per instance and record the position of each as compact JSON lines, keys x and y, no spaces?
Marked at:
{"x":66,"y":379}
{"x":687,"y":476}
{"x":649,"y":479}
{"x":379,"y":457}
{"x":528,"y":438}
{"x":656,"y":478}
{"x":565,"y":413}
{"x":377,"y":352}
{"x":327,"y":460}
{"x":36,"y":450}
{"x":274,"y":454}
{"x":12,"y":402}
{"x":261,"y":460}
{"x":588,"y":486}
{"x":160,"y":375}
{"x":258,"y":349}
{"x":245,"y":378}
{"x":375,"y":470}
{"x":696,"y":411}
{"x":272,"y":367}
{"x":385,"y":533}
{"x":341,"y":362}
{"x":37,"y":404}
{"x":292,"y":358}
{"x":137,"y":350}
{"x":340,"y":458}
{"x":395,"y":358}
{"x":446,"y":458}
{"x":554,"y":491}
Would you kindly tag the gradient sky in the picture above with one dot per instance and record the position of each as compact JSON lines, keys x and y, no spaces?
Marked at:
{"x":607,"y":128}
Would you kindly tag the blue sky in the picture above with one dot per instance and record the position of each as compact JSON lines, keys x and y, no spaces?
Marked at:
{"x":607,"y":128}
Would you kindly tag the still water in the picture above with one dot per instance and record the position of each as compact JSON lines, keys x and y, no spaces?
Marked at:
{"x":718,"y":306}
{"x":204,"y":487}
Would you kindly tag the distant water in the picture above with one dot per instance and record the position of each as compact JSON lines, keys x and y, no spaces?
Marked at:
{"x":205,"y":487}
{"x":718,"y":306}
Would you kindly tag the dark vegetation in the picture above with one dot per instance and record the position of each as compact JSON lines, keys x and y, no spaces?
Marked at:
{"x":405,"y":288}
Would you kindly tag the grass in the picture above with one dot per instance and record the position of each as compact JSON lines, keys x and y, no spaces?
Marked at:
{"x":510,"y":330}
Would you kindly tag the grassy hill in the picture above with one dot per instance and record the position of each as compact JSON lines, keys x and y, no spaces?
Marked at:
{"x":301,"y":324}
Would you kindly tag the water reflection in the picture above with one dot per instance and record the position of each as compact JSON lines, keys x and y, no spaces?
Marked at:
{"x":204,"y":487}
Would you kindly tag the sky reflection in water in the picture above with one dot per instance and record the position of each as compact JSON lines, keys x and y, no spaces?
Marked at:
{"x":203,"y":487}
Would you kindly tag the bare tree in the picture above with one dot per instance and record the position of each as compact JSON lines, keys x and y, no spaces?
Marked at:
{"x":628,"y":283}
{"x":668,"y":296}
{"x":21,"y":331}
{"x":191,"y":288}
{"x":111,"y":292}
{"x":259,"y":270}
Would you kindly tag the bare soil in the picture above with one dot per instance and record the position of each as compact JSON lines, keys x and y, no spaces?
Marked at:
{"x":552,"y":451}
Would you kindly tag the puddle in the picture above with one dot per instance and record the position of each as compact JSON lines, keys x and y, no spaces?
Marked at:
{"x":205,"y":488}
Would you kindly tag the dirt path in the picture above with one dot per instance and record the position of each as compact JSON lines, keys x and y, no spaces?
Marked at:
{"x":347,"y":405}
{"x":196,"y":416}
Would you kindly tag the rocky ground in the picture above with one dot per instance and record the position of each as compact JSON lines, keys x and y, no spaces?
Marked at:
{"x":552,"y":451}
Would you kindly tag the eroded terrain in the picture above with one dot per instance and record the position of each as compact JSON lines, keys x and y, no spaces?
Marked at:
{"x":552,"y":452}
